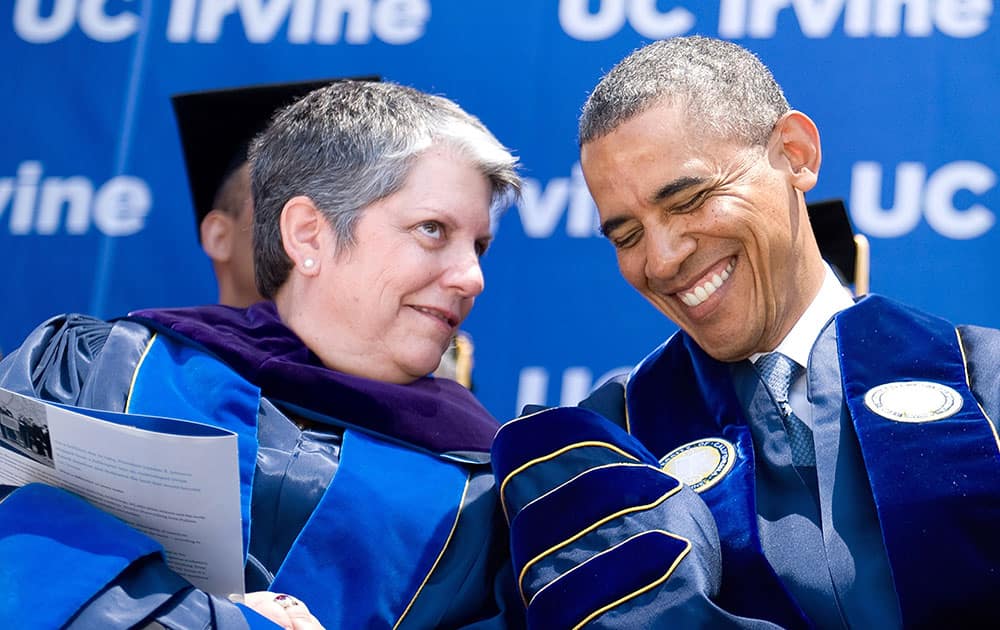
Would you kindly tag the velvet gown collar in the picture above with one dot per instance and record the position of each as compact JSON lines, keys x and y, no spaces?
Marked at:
{"x":436,"y":414}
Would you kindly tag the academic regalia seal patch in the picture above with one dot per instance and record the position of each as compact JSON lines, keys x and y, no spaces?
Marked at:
{"x":913,"y":401}
{"x":700,"y":464}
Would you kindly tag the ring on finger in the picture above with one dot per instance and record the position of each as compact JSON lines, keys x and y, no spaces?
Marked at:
{"x":285,"y":601}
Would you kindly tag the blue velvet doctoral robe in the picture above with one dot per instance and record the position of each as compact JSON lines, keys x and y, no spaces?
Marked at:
{"x":372,"y":502}
{"x":894,"y":530}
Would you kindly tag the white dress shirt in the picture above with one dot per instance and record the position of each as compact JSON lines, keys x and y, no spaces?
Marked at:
{"x":832,"y":298}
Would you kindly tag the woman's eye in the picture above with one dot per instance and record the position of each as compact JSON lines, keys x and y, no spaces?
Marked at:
{"x":432,"y":229}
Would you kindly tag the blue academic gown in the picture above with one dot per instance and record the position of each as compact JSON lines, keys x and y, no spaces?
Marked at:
{"x":895,"y":529}
{"x":373,"y":503}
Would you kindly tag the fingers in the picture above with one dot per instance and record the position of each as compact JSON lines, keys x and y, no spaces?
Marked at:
{"x":284,"y":610}
{"x":297,"y":613}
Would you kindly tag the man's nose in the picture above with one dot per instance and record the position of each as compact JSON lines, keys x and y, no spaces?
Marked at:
{"x":666,"y":251}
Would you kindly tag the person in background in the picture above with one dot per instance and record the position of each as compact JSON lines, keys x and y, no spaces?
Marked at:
{"x":216,"y":128}
{"x":791,"y":458}
{"x":367,"y":493}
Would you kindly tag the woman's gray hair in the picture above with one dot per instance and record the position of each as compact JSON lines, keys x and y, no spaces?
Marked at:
{"x":349,"y":144}
{"x":721,"y":86}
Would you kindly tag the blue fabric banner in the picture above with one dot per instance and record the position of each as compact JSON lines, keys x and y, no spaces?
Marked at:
{"x":95,"y":214}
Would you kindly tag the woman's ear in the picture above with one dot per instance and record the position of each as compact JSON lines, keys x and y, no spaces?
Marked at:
{"x":302,"y":234}
{"x":798,"y":140}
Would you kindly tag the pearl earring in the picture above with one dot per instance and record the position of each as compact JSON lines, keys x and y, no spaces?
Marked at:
{"x":308,"y":263}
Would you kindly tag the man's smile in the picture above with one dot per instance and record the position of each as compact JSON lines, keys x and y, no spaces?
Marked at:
{"x":705,"y":287}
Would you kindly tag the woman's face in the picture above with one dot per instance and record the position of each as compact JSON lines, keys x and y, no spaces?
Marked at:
{"x":387,"y":307}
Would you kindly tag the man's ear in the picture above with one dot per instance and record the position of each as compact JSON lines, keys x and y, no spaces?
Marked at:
{"x":302,"y":233}
{"x":798,"y":141}
{"x":217,"y":235}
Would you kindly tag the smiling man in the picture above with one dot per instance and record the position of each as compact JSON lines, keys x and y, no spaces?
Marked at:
{"x":790,"y":457}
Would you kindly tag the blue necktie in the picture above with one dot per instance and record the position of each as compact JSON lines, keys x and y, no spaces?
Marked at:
{"x":778,"y":371}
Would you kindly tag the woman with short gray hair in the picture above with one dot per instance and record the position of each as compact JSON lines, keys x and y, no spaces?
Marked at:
{"x":369,"y":498}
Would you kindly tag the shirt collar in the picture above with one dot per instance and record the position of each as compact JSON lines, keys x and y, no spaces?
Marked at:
{"x":832,"y":298}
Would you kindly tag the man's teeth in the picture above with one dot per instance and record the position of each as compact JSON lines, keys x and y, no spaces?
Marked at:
{"x":701,"y":292}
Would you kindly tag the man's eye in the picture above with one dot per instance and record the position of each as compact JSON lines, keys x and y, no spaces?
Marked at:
{"x":432,"y":229}
{"x":691,"y":204}
{"x":627,"y":240}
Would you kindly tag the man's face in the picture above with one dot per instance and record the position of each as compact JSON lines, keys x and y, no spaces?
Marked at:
{"x":242,"y":246}
{"x":227,"y":238}
{"x":710,"y":231}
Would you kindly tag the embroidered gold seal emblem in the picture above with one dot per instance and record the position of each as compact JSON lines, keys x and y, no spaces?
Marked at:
{"x":700,"y":464}
{"x":914,"y":401}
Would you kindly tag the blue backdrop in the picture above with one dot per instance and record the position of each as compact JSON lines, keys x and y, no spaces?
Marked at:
{"x":95,"y":215}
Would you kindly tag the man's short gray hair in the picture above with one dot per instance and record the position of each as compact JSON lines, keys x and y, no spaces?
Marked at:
{"x":349,"y":144}
{"x":720,"y":85}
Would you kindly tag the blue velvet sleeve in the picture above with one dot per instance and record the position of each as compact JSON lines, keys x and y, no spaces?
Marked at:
{"x":600,"y":536}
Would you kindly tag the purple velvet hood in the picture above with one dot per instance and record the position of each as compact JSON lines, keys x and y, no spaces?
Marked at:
{"x":436,"y":414}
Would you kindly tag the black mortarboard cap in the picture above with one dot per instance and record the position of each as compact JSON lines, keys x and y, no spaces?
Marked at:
{"x":834,"y":235}
{"x":216,"y":127}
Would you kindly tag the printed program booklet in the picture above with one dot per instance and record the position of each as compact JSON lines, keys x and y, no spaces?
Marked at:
{"x":174,"y":480}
